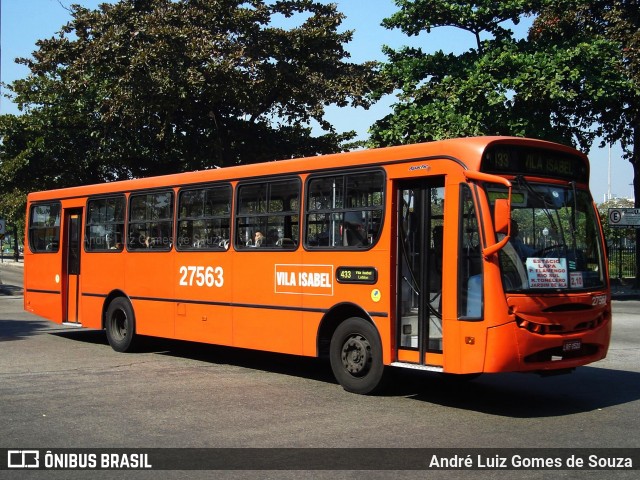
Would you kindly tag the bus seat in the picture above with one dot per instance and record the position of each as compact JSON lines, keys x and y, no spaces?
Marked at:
{"x":286,"y":243}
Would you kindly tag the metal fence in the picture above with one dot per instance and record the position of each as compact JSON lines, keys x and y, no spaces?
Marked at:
{"x":622,"y":261}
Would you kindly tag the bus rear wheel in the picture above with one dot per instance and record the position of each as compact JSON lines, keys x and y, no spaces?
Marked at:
{"x":356,"y":356}
{"x":120,"y":325}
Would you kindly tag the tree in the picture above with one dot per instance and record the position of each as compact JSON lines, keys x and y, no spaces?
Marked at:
{"x":442,"y":95}
{"x":603,"y":210}
{"x":606,"y":94}
{"x":573,"y":79}
{"x":144,"y":87}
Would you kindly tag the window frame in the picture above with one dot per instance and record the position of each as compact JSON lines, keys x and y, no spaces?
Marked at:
{"x":382,"y":207}
{"x":470,"y":287}
{"x":32,"y":207}
{"x":267,"y":214}
{"x":87,"y":225}
{"x":170,"y":219}
{"x":178,"y":218}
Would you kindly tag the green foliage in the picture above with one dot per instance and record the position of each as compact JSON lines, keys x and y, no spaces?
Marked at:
{"x":442,"y":95}
{"x":146,"y":87}
{"x":477,"y":18}
{"x":574,"y":79}
{"x":600,"y":41}
{"x":610,"y":80}
{"x":567,"y":82}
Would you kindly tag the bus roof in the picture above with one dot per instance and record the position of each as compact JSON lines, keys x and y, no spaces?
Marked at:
{"x":468,"y":150}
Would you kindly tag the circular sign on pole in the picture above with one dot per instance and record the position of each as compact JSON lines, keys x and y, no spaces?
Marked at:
{"x":614,"y":216}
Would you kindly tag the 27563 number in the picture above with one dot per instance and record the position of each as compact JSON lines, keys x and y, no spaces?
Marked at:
{"x":201,"y":276}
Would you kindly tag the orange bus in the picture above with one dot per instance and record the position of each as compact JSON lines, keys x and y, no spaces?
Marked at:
{"x":459,"y":256}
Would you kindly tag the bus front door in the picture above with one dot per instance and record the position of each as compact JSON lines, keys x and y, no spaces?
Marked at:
{"x":71,"y":264}
{"x":420,"y":223}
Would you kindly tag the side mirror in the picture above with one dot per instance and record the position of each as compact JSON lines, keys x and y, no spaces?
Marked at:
{"x":502,"y":216}
{"x":501,"y":223}
{"x":501,"y":212}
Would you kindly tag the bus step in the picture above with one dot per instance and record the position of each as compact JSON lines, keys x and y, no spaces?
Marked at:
{"x":415,"y":366}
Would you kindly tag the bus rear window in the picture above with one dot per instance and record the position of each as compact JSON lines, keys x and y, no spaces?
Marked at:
{"x":44,"y":228}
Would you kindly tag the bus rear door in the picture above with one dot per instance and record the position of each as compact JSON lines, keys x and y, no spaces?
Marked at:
{"x":71,"y":265}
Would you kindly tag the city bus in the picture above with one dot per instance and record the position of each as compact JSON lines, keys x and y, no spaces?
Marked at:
{"x":463,"y":256}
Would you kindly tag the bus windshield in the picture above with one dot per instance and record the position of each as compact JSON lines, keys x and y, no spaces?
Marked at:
{"x":555,"y":239}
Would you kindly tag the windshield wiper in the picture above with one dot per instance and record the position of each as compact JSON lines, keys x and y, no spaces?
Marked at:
{"x":521,"y":181}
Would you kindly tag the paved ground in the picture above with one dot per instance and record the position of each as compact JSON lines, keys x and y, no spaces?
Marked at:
{"x":62,"y":387}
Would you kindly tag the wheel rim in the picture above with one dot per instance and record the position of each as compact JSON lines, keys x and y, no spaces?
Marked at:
{"x":119,"y":324}
{"x":356,"y":355}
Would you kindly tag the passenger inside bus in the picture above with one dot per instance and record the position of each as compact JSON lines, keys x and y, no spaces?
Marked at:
{"x":258,"y":239}
{"x":353,"y":233}
{"x":135,"y":241}
{"x":273,"y":238}
{"x":519,"y":246}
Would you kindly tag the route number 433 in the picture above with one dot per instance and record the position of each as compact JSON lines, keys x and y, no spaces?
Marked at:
{"x":201,"y":276}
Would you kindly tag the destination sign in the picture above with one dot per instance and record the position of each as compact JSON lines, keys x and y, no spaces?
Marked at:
{"x":538,"y":162}
{"x":302,"y":279}
{"x":366,"y":275}
{"x":624,"y":217}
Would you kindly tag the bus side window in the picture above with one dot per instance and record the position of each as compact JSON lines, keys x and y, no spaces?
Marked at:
{"x":268,"y":215}
{"x":105,"y":224}
{"x":150,"y":221}
{"x":44,"y":228}
{"x":204,"y":218}
{"x":344,"y":211}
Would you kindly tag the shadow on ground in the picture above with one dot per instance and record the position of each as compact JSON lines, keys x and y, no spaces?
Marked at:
{"x":20,"y":329}
{"x":510,"y":394}
{"x":10,"y":290}
{"x":529,"y":395}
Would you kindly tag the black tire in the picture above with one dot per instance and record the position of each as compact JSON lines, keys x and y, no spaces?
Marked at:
{"x":120,"y":325}
{"x":356,"y":356}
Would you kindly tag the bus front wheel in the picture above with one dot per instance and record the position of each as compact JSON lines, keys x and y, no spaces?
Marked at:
{"x":356,"y":356}
{"x":120,"y":325}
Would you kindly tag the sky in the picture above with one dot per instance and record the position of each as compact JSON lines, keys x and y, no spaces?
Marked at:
{"x":24,"y":22}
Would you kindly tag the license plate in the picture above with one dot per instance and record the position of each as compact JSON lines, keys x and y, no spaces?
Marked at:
{"x":572,"y":345}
